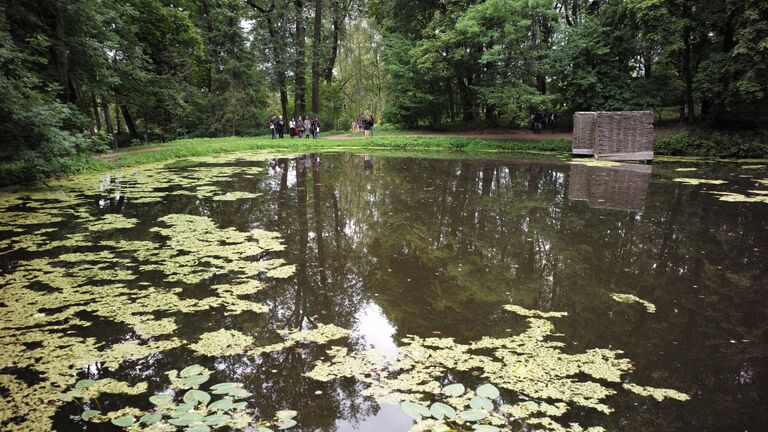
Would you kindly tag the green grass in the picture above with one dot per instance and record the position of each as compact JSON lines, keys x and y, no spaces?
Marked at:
{"x":19,"y":172}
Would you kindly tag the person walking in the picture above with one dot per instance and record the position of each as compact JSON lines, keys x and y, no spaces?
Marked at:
{"x":280,"y":126}
{"x":373,"y":124}
{"x":316,"y":127}
{"x":307,"y":127}
{"x":299,"y":128}
{"x":272,"y":126}
{"x":366,"y":127}
{"x":291,"y":127}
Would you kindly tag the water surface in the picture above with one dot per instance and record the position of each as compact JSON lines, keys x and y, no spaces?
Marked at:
{"x":386,"y":247}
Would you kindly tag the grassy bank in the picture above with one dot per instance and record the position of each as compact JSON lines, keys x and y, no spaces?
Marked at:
{"x":717,"y":144}
{"x":20,"y":172}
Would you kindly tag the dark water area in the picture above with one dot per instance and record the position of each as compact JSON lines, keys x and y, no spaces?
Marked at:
{"x":388,"y":247}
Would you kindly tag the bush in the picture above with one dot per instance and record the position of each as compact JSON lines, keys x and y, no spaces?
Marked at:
{"x":725,"y":144}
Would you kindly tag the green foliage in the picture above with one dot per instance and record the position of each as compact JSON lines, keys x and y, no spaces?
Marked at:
{"x":707,"y":143}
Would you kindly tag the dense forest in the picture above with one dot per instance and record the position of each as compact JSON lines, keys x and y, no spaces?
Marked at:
{"x":80,"y":75}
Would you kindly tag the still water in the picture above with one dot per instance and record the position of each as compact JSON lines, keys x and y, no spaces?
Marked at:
{"x":383,"y":247}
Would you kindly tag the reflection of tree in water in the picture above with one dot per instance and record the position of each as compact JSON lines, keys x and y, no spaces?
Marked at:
{"x":306,"y":211}
{"x":440,"y":245}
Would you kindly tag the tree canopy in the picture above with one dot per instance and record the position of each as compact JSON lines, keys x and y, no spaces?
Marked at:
{"x":84,"y":74}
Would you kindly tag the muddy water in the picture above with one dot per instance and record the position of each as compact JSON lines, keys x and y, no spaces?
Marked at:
{"x":389,"y":246}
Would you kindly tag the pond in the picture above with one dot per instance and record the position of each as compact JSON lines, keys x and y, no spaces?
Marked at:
{"x":594,"y":296}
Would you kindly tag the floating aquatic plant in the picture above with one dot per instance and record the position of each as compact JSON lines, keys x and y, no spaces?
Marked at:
{"x":528,"y":365}
{"x":222,"y":405}
{"x":629,"y":298}
{"x":112,"y":221}
{"x":82,"y":273}
{"x":596,"y":163}
{"x":232,"y":196}
{"x":533,"y":313}
{"x":696,"y":181}
{"x":222,"y":342}
{"x":758,"y":197}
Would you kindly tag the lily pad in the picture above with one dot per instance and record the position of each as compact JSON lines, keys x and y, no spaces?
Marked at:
{"x":217,"y":419}
{"x":440,"y":410}
{"x":161,"y":400}
{"x":89,"y":414}
{"x":286,"y":424}
{"x":151,"y":418}
{"x":198,"y":428}
{"x":454,"y":390}
{"x":191,"y":370}
{"x":221,"y":405}
{"x":473,"y":415}
{"x":195,"y":380}
{"x":414,"y":410}
{"x":481,"y":403}
{"x":197,"y":396}
{"x":124,"y":421}
{"x":186,"y":419}
{"x":84,"y":383}
{"x":488,"y":391}
{"x":286,"y":414}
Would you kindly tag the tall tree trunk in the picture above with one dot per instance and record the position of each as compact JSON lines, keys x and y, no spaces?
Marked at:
{"x":107,"y":116}
{"x":316,"y":40}
{"x":490,"y":115}
{"x":316,"y":200}
{"x":132,"y":131}
{"x":209,"y":28}
{"x":541,"y":84}
{"x":118,"y":123}
{"x":300,"y":102}
{"x":687,"y":72}
{"x":451,"y":103}
{"x":467,"y":114}
{"x":279,"y":68}
{"x":96,"y":118}
{"x":61,"y":54}
{"x":336,"y":23}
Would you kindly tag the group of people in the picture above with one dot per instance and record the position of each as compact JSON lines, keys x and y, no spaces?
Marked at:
{"x":364,"y":123}
{"x":540,"y":121}
{"x":301,"y":127}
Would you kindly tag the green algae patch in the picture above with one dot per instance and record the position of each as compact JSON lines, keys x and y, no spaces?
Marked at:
{"x":696,"y":181}
{"x":233,"y":196}
{"x":733,"y":197}
{"x":222,"y":343}
{"x":322,"y":334}
{"x":76,"y":265}
{"x":529,"y":365}
{"x":629,"y":298}
{"x":533,"y":313}
{"x":112,"y":222}
{"x":596,"y":163}
{"x":657,"y":393}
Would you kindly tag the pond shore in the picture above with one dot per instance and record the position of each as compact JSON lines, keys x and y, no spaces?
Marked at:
{"x":683,"y":145}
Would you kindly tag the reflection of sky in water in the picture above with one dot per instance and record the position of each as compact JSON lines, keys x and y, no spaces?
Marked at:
{"x":389,"y":418}
{"x":376,"y":329}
